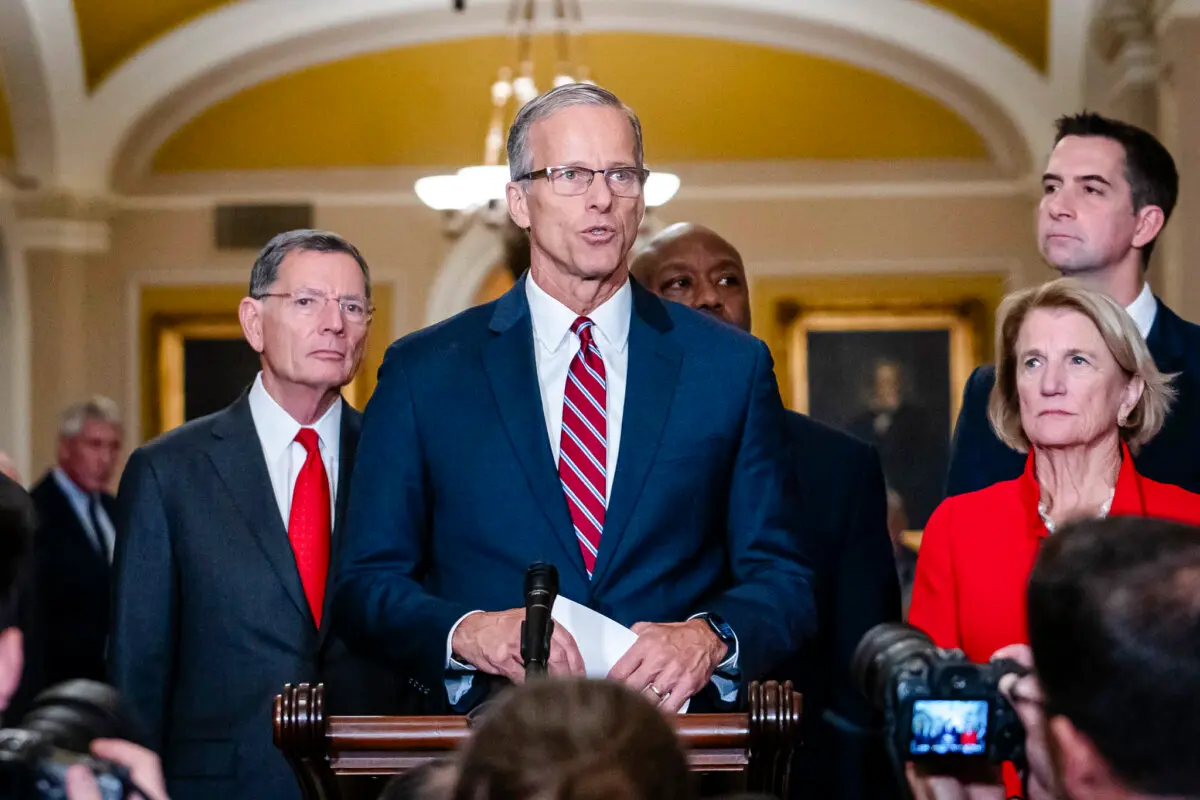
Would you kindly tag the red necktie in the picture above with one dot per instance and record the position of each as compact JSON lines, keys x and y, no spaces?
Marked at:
{"x":308,"y":525}
{"x":582,"y":451}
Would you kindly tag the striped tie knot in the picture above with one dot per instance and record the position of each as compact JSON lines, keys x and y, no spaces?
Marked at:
{"x":582,"y":327}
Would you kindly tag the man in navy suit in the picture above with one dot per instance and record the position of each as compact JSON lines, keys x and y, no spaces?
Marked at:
{"x":1108,"y":191}
{"x":844,"y":514}
{"x":492,"y":441}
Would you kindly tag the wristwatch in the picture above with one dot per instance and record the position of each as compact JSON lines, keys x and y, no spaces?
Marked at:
{"x":721,"y":628}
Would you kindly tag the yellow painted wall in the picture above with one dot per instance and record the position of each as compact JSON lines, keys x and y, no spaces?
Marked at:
{"x":700,"y":100}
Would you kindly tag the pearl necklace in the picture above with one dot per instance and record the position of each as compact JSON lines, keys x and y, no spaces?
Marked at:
{"x":1044,"y":512}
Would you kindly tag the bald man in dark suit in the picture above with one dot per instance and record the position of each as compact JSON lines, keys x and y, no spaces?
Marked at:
{"x":844,"y":517}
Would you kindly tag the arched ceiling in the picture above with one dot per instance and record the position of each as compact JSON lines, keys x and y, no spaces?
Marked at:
{"x":708,"y":100}
{"x":110,"y":31}
{"x":107,"y":89}
{"x":1023,"y":25}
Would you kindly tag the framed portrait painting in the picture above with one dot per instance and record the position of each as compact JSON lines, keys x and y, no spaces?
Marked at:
{"x":893,"y":379}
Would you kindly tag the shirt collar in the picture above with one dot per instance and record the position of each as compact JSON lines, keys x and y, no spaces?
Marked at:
{"x":277,"y":428}
{"x":1143,"y":310}
{"x":69,"y":487}
{"x":552,"y":320}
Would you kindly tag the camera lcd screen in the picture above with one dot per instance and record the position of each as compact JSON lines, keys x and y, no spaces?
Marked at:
{"x":949,"y":727}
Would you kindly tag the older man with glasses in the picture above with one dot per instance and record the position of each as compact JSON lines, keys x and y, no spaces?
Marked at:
{"x":225,"y":530}
{"x":492,"y":442}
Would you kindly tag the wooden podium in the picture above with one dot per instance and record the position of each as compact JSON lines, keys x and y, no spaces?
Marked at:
{"x":345,"y":758}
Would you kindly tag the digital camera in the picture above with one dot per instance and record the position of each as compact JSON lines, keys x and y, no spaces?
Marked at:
{"x":935,"y":703}
{"x":56,"y":734}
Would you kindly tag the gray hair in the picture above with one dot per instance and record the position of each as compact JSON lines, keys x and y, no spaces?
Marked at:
{"x":266,"y":266}
{"x":520,"y":160}
{"x":97,"y":407}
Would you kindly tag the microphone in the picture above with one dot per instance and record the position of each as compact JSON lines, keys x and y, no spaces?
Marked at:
{"x":541,"y":589}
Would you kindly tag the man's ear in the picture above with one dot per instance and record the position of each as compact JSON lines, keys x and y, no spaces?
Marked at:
{"x":518,"y":204}
{"x":1150,"y":222}
{"x":1082,"y":770}
{"x":12,"y":662}
{"x":250,"y":314}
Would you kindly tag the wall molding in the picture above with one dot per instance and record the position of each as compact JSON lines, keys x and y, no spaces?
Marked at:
{"x":64,"y":235}
{"x":18,"y":329}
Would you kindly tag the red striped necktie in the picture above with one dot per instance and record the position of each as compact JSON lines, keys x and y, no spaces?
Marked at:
{"x":582,"y":454}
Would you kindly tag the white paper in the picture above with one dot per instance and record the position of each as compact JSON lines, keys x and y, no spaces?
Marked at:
{"x":602,"y":641}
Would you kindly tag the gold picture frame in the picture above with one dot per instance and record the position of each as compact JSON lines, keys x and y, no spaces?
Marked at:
{"x":787,"y":309}
{"x":961,"y":340}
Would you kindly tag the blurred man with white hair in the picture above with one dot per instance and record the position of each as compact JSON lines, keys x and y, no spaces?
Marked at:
{"x":74,"y":542}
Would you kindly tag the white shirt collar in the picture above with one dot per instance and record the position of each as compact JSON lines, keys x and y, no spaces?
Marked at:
{"x":1143,"y":309}
{"x":552,"y":320}
{"x":70,"y":488}
{"x":277,"y":428}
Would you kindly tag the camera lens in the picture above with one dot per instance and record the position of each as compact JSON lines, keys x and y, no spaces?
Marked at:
{"x":880,"y":651}
{"x":72,"y":714}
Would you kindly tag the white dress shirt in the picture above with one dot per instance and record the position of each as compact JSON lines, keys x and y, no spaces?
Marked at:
{"x":285,"y":456}
{"x":80,"y":500}
{"x":1143,"y":309}
{"x":556,"y":347}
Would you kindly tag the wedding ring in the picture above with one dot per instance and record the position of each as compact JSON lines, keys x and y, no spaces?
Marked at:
{"x":654,"y":689}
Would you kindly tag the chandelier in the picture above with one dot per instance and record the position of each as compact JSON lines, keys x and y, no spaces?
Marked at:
{"x":484,"y":184}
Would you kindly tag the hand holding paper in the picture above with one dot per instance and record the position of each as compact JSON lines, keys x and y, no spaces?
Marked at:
{"x":602,"y":642}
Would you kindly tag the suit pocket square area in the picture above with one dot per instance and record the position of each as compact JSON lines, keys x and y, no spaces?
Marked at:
{"x":201,"y":758}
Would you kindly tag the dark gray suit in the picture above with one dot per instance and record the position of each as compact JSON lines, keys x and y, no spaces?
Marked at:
{"x":210,"y":619}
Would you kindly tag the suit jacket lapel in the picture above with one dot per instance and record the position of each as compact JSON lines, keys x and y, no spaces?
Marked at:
{"x":73,"y":526}
{"x":238,"y":458}
{"x":509,"y":361}
{"x":654,"y":361}
{"x":351,"y":427}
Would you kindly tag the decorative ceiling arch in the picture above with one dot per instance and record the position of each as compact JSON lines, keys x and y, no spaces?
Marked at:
{"x":39,"y":48}
{"x":251,"y":42}
{"x":110,"y":31}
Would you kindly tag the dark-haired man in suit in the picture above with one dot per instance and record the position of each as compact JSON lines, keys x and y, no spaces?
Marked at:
{"x":1108,"y":191}
{"x":226,"y":527}
{"x":844,"y":516}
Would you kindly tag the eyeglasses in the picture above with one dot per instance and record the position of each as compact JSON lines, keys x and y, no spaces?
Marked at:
{"x":355,"y":310}
{"x":574,"y":181}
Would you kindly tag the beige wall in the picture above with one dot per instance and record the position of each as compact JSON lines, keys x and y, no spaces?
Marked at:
{"x":84,"y":313}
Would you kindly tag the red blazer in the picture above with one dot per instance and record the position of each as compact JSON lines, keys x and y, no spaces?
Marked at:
{"x":978,"y":550}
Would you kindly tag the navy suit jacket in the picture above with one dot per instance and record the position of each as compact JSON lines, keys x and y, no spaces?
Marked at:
{"x":845,"y":518}
{"x":456,"y":492}
{"x":978,"y":459}
{"x":73,"y":586}
{"x":210,"y":618}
